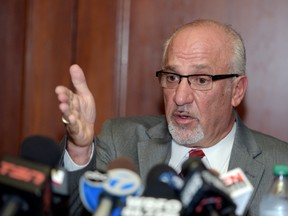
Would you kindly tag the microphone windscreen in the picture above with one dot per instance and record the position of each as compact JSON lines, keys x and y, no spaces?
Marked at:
{"x":91,"y":189}
{"x":204,"y":193}
{"x":40,"y":149}
{"x":123,"y":179}
{"x":162,"y":182}
{"x":192,"y":165}
{"x":25,"y":181}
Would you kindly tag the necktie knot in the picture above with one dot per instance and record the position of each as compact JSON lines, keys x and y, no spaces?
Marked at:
{"x":196,"y":153}
{"x":193,"y":153}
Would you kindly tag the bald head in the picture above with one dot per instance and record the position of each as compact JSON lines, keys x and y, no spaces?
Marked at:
{"x":222,"y":39}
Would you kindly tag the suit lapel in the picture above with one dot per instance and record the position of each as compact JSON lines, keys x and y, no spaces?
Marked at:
{"x":245,"y":154}
{"x":154,"y":148}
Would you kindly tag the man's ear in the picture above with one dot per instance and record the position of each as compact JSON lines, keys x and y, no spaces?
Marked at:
{"x":239,"y":90}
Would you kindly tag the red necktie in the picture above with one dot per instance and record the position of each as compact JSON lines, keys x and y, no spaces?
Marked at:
{"x":196,"y":153}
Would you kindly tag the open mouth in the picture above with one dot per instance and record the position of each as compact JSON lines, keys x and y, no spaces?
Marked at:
{"x":183,"y":118}
{"x":183,"y":115}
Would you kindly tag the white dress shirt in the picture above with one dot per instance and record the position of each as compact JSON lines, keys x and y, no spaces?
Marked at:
{"x":217,"y":157}
{"x":70,"y":165}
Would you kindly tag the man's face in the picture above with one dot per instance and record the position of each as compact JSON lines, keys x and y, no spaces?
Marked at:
{"x":199,"y":118}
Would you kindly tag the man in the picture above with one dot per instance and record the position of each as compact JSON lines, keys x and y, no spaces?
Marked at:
{"x":203,"y":79}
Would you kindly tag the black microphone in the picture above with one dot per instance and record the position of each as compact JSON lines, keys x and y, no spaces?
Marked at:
{"x":24,"y":187}
{"x":203,"y":193}
{"x":163,"y":182}
{"x":22,"y":193}
{"x":40,"y":149}
{"x":160,"y":196}
{"x":44,"y":150}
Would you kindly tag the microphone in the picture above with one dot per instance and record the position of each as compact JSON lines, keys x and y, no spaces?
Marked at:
{"x":163,"y":182}
{"x":203,"y":193}
{"x":19,"y":179}
{"x":105,"y":193}
{"x":91,"y":189}
{"x":40,"y":149}
{"x":121,"y":182}
{"x":44,"y":150}
{"x":160,"y":197}
{"x":24,"y":187}
{"x":239,"y":187}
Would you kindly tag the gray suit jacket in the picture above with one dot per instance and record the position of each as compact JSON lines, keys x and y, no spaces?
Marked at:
{"x":147,"y":142}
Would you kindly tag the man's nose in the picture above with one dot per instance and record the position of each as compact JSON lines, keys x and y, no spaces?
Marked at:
{"x":183,"y":93}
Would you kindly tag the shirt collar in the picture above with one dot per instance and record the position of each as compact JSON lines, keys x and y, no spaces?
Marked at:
{"x":218,"y":156}
{"x":212,"y":160}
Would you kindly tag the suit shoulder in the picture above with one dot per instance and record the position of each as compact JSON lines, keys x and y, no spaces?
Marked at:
{"x":265,"y":138}
{"x":271,"y":145}
{"x":144,"y":121}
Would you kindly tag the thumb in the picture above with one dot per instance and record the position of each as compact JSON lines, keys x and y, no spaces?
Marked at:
{"x":78,"y":80}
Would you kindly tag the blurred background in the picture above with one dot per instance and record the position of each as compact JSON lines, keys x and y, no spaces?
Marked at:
{"x":118,"y":43}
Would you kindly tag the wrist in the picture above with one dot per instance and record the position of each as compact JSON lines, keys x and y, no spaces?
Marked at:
{"x":79,"y":154}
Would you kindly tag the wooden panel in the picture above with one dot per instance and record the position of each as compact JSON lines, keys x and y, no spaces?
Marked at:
{"x":47,"y":60}
{"x":40,"y":39}
{"x":262,"y":25}
{"x":147,"y":35}
{"x":12,"y":23}
{"x":95,"y":53}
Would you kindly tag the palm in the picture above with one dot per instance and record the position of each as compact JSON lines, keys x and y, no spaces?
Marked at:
{"x":78,"y":108}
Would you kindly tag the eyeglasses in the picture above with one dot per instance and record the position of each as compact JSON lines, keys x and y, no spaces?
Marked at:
{"x":201,"y":82}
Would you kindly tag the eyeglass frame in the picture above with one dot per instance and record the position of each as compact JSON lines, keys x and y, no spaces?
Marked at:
{"x":213,"y":78}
